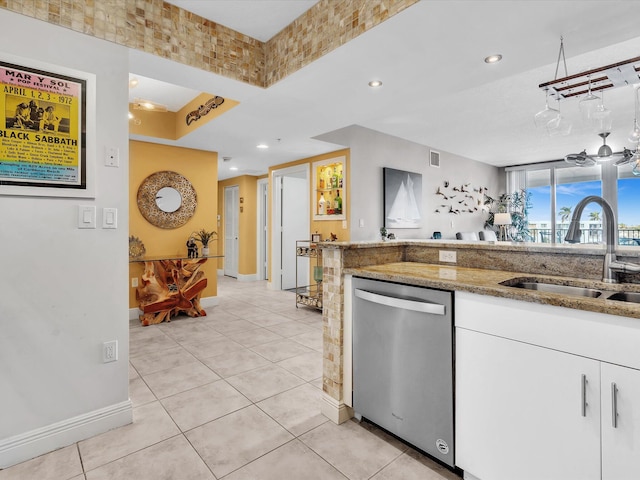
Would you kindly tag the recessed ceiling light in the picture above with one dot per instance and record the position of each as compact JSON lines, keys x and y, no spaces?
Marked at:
{"x":262,"y":145}
{"x":375,"y":83}
{"x":233,"y":168}
{"x":133,"y":83}
{"x":130,"y":115}
{"x":493,"y":58}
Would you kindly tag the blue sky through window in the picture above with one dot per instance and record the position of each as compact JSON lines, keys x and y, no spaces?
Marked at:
{"x":568,"y":195}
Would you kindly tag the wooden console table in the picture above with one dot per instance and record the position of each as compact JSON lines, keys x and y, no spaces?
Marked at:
{"x":170,"y":285}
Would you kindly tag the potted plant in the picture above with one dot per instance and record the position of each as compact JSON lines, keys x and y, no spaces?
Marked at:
{"x":204,"y":237}
{"x":518,"y":205}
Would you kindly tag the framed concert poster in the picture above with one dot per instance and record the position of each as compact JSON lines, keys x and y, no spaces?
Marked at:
{"x":47,"y":130}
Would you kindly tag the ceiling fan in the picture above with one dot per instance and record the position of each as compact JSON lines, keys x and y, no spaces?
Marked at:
{"x":605,"y":153}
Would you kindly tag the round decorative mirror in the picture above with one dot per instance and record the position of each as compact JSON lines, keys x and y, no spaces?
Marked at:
{"x":166,"y":199}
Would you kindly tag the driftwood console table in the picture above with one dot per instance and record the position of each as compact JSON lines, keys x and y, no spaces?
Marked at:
{"x":169,"y":286}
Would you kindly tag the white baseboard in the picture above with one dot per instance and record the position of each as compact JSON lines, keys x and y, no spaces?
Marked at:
{"x":31,"y":444}
{"x":468,"y":476}
{"x":334,"y":410}
{"x":248,"y":278}
{"x":209,"y":302}
{"x":134,"y":313}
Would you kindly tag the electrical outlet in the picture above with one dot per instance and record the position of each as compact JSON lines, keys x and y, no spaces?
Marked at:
{"x":447,"y":256}
{"x":134,"y":282}
{"x":110,"y":351}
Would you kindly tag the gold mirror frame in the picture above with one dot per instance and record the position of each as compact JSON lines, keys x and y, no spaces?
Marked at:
{"x":147,"y":199}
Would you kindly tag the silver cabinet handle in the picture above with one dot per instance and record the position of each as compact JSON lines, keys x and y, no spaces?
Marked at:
{"x":583,"y":390}
{"x":424,"y":307}
{"x":614,"y":405}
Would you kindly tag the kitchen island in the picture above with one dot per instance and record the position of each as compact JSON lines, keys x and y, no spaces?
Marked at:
{"x":483,"y":277}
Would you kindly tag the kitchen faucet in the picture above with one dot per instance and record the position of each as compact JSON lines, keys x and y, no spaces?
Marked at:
{"x":611,"y":266}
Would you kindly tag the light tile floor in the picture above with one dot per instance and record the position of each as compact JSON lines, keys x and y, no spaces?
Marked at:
{"x":233,"y":395}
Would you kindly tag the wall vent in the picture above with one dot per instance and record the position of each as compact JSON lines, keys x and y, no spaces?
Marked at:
{"x":434,"y":158}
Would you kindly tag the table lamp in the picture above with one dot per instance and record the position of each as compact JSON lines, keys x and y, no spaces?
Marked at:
{"x":502,"y":220}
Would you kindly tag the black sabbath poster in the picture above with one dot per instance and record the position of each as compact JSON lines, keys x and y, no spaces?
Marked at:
{"x":42,"y":138}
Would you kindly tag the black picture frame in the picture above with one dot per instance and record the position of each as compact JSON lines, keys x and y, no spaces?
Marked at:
{"x":402,"y":198}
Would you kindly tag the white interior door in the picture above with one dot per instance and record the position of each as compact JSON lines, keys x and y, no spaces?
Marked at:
{"x":290,"y":223}
{"x":231,"y":201}
{"x":295,"y":226}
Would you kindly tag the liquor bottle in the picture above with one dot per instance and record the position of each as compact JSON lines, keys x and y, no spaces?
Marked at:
{"x":338,"y":203}
{"x":321,"y":205}
{"x":321,"y":181}
{"x":334,"y":180}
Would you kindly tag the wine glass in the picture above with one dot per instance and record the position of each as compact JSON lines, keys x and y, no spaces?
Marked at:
{"x":588,"y":104}
{"x":546,"y":115}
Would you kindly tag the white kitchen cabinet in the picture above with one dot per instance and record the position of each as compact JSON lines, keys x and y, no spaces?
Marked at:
{"x":620,"y":442}
{"x":519,"y":411}
{"x":519,"y":392}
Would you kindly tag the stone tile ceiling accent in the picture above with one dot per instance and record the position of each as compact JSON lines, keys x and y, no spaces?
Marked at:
{"x":162,"y":29}
{"x":324,"y":27}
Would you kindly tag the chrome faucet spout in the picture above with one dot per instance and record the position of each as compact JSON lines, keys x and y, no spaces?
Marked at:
{"x":574,"y":233}
{"x":611,"y":236}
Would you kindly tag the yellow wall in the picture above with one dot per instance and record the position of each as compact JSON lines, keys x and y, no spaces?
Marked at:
{"x":323,"y":227}
{"x":247,"y":222}
{"x":152,"y":124}
{"x":173,"y":125}
{"x":181,"y":124}
{"x":201,"y":169}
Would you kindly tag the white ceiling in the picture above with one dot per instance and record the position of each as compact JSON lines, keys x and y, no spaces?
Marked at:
{"x":260,"y":19}
{"x":437,"y":90}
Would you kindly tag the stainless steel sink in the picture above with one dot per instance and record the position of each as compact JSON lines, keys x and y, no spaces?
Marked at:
{"x":554,"y":288}
{"x":633,"y":297}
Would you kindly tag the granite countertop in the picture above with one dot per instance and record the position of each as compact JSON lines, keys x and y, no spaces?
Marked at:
{"x":488,"y":282}
{"x":555,"y":248}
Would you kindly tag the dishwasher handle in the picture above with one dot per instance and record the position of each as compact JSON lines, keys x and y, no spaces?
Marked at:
{"x":395,"y":302}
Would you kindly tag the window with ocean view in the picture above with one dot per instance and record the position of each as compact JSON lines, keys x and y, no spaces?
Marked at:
{"x":555,"y":189}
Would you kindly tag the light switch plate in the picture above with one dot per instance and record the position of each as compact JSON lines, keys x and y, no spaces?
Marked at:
{"x":109,"y":218}
{"x":86,"y":216}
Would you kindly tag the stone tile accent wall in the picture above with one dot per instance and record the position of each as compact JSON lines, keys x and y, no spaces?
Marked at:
{"x":332,"y":324}
{"x":156,"y":27}
{"x":165,"y":30}
{"x":323,"y":28}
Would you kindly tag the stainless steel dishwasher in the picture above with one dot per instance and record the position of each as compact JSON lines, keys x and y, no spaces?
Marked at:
{"x":403,"y":363}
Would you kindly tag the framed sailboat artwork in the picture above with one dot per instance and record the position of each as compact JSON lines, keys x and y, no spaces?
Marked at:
{"x":402,"y":199}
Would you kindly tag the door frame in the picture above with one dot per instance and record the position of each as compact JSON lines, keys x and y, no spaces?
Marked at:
{"x":262,"y":230}
{"x":275,"y":277}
